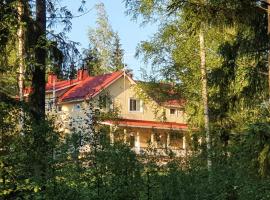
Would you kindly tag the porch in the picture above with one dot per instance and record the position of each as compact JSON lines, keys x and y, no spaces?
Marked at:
{"x":150,"y":138}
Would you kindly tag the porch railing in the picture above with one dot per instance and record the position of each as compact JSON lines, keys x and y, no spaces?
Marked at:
{"x":177,"y":152}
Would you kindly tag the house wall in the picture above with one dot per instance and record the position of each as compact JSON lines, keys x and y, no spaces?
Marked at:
{"x":122,"y":90}
{"x":120,"y":93}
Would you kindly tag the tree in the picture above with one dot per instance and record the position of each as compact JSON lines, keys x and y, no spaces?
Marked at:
{"x":205,"y":98}
{"x":8,"y":36}
{"x":117,"y":54}
{"x":101,"y":38}
{"x":21,"y":48}
{"x":227,"y":55}
{"x":37,"y":98}
{"x":92,"y":61}
{"x":32,"y":41}
{"x":196,"y":25}
{"x":105,"y":53}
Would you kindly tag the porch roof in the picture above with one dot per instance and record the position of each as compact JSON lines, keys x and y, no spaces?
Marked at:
{"x":147,"y":124}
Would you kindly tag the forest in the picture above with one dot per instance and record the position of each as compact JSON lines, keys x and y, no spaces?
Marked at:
{"x":215,"y":53}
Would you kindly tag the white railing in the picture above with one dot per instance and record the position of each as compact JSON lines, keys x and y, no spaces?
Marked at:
{"x":177,"y":152}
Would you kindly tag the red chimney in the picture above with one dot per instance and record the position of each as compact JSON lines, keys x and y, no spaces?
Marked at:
{"x":52,"y":77}
{"x":82,"y":74}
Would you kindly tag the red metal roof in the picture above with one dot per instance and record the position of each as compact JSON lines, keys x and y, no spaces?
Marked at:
{"x":174,"y":103}
{"x":148,"y":124}
{"x":62,"y":84}
{"x":58,"y":86}
{"x":90,"y":86}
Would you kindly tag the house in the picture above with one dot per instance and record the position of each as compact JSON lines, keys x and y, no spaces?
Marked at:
{"x":143,"y":121}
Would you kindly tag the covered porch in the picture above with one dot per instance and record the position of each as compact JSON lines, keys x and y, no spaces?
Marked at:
{"x":150,"y":137}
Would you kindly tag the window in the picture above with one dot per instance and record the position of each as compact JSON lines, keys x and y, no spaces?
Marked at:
{"x":59,"y":108}
{"x":172,"y":111}
{"x":76,"y":107}
{"x":134,"y":105}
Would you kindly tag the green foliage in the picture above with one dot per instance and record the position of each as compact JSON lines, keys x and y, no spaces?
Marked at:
{"x":105,"y":53}
{"x":26,"y":154}
{"x":38,"y":162}
{"x":117,"y":54}
{"x":236,"y":58}
{"x":92,"y":62}
{"x":101,"y":38}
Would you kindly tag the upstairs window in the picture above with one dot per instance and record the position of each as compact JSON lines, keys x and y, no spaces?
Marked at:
{"x":134,"y":105}
{"x":172,"y":111}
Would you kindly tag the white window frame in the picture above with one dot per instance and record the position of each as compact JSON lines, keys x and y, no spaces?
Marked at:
{"x":140,"y":103}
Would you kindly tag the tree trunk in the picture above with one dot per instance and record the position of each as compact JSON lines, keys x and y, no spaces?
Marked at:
{"x":21,"y":56}
{"x":205,"y":98}
{"x":21,"y":48}
{"x":37,"y":98}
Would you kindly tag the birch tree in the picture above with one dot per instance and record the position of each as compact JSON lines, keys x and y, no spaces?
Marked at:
{"x":148,"y":10}
{"x":101,"y":38}
{"x":21,"y":48}
{"x":205,"y":97}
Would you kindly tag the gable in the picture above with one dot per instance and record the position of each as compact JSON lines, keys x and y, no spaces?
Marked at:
{"x":90,"y":87}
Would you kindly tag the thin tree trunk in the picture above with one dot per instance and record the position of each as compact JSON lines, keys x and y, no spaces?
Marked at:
{"x":205,"y":98}
{"x":37,"y":98}
{"x":21,"y":49}
{"x":21,"y":55}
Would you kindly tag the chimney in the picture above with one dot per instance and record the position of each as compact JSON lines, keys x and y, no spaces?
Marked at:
{"x":52,"y":77}
{"x":82,"y":74}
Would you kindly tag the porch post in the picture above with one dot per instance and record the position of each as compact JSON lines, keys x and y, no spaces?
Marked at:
{"x":168,"y":140}
{"x":152,"y":140}
{"x":125,"y":136}
{"x":111,"y":135}
{"x":184,"y":142}
{"x":137,"y":144}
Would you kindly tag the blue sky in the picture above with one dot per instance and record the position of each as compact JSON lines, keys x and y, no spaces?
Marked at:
{"x":130,"y":32}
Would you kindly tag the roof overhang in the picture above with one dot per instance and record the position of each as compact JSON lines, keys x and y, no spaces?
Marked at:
{"x":62,"y":88}
{"x":146,"y":124}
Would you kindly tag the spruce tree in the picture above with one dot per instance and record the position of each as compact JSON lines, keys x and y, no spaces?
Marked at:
{"x":117,"y":54}
{"x":92,"y":61}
